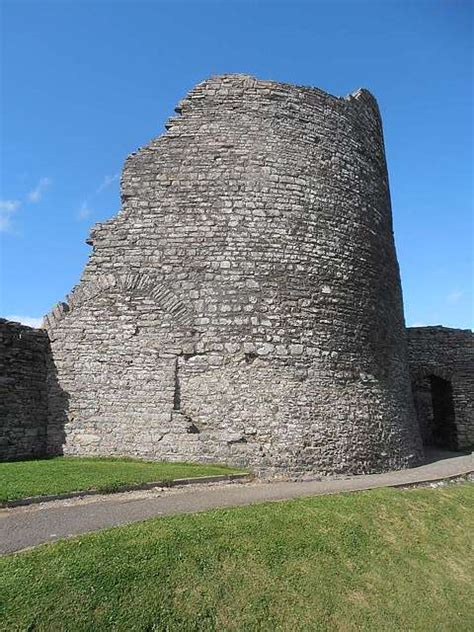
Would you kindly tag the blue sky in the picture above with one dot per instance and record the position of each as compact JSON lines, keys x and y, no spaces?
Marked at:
{"x":86,"y":83}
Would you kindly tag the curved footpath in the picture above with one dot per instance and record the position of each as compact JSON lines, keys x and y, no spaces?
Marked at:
{"x":25,"y":527}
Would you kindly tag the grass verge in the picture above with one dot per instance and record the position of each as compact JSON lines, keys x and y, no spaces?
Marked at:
{"x":59,"y":475}
{"x":391,"y":560}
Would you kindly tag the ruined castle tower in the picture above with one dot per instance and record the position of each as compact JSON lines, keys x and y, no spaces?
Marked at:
{"x":244,"y":306}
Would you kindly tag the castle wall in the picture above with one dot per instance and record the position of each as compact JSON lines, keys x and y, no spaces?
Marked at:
{"x":448,"y":355}
{"x":23,"y":391}
{"x":244,"y":306}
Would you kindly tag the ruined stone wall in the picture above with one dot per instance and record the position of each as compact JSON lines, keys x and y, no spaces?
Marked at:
{"x":447,"y":354}
{"x":244,"y":306}
{"x":23,"y":390}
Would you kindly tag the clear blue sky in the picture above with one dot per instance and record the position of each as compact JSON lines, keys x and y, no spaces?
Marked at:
{"x":86,"y":83}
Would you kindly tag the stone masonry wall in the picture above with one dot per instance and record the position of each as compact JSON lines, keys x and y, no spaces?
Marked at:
{"x":244,"y":306}
{"x":23,"y":390}
{"x":447,"y":354}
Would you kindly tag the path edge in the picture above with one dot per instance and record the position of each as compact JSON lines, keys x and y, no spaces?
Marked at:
{"x":177,"y":482}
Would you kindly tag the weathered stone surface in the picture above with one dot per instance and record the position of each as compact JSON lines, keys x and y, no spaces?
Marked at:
{"x":443,"y":359}
{"x":23,"y":393}
{"x":244,"y":305}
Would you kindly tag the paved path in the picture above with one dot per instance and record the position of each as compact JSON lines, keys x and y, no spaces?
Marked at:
{"x":24,"y":527}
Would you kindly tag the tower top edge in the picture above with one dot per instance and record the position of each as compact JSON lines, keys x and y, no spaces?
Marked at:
{"x":247,"y":80}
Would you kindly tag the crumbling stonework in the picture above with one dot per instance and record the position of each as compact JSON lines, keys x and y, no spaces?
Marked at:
{"x":23,"y":391}
{"x":442,"y":372}
{"x":244,"y":306}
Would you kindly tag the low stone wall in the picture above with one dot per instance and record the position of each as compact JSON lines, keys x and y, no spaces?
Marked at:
{"x":23,"y":390}
{"x":442,"y":372}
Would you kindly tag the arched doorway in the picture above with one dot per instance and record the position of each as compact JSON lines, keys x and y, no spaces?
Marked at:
{"x":434,"y":407}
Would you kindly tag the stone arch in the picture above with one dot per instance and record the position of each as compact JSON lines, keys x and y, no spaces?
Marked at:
{"x":131,"y":283}
{"x":424,"y":370}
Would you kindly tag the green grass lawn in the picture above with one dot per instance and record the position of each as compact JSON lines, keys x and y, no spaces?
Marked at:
{"x":20,"y":479}
{"x":385,"y":560}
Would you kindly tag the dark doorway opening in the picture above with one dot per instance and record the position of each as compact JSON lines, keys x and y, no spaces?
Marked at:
{"x":434,"y":406}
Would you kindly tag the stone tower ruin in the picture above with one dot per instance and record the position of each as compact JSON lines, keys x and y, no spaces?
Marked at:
{"x":244,"y":306}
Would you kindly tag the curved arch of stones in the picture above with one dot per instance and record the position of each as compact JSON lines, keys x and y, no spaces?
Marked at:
{"x":138,"y":283}
{"x":426,"y":370}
